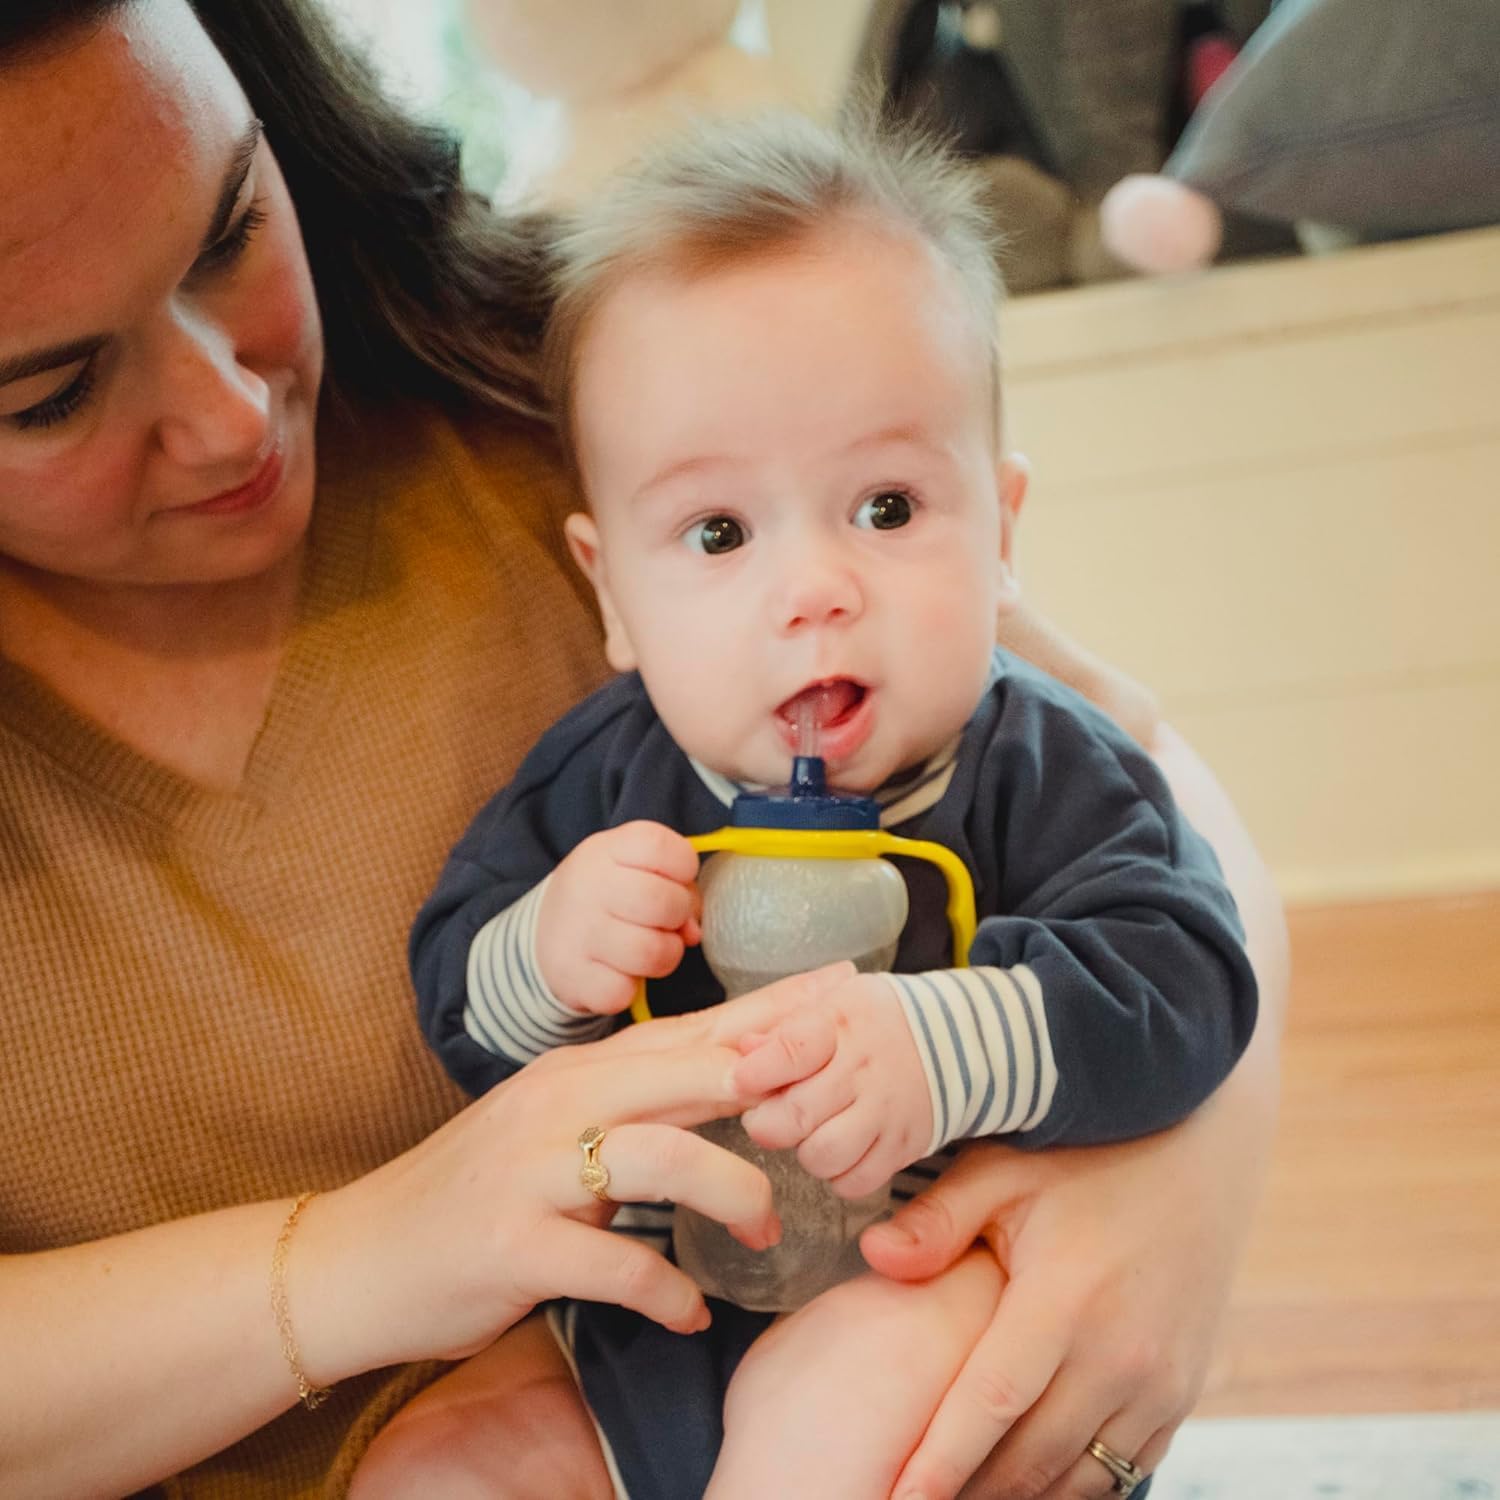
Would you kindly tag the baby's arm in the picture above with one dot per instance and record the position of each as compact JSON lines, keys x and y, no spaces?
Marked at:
{"x":510,"y":952}
{"x":1108,"y":1002}
{"x":551,"y":968}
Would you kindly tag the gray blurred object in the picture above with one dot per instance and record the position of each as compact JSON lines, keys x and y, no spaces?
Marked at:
{"x":1380,"y":117}
{"x":1096,"y":76}
{"x":1090,"y":87}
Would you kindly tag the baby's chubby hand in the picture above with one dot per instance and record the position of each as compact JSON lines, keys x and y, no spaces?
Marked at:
{"x":621,"y":907}
{"x":867,"y":1112}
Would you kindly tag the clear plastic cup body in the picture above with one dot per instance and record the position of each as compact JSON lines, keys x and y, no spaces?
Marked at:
{"x":764,"y":918}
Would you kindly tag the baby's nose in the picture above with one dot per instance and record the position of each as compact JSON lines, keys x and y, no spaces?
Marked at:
{"x":818,"y":591}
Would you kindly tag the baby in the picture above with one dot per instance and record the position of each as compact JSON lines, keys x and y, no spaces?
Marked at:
{"x":775,"y":357}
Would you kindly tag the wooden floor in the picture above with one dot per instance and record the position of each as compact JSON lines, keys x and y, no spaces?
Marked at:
{"x":1373,"y":1281}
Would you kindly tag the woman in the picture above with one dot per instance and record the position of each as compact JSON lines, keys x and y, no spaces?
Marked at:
{"x":282,"y":591}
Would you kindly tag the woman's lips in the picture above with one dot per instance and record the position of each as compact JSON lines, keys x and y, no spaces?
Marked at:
{"x":249,"y":496}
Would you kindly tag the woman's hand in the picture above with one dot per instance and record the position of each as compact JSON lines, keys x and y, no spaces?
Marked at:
{"x":1119,"y":1262}
{"x":441,"y":1250}
{"x":1119,"y":1258}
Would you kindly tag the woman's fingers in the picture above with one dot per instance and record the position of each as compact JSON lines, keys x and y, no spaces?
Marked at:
{"x":928,"y":1234}
{"x":1008,"y":1369}
{"x":683,"y":1085}
{"x":597,"y":1266}
{"x":654,"y":1163}
{"x":766,"y":1007}
{"x":1086,"y":1478}
{"x":794,"y":1054}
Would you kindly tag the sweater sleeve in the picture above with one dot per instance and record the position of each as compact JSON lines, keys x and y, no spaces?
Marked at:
{"x":481,"y":1001}
{"x":1113,"y":993}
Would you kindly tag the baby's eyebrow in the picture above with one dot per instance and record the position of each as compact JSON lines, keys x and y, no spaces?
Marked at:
{"x":900,"y":432}
{"x":684,"y":468}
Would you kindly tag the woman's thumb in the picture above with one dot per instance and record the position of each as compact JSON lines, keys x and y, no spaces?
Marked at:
{"x":928,"y":1234}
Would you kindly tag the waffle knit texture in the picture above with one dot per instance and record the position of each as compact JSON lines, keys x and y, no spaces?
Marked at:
{"x":206,"y":995}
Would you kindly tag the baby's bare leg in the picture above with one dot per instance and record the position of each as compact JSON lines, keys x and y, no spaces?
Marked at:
{"x":832,"y":1399}
{"x":508,"y":1424}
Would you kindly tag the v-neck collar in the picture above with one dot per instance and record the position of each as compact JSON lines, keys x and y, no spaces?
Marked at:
{"x":307,"y":680}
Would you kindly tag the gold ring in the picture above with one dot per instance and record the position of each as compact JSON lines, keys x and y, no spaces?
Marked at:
{"x":593,"y":1174}
{"x":1128,"y":1479}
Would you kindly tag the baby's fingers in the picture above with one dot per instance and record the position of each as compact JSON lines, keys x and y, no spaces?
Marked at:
{"x":645,"y":899}
{"x":637,"y":951}
{"x":655,"y":847}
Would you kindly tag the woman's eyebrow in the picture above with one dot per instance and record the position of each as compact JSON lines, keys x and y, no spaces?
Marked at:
{"x":40,"y":361}
{"x":234,"y":180}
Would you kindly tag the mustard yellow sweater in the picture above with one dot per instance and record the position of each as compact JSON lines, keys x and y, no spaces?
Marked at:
{"x":205,"y":995}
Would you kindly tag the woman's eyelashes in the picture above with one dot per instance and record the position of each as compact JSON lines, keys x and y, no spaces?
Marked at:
{"x":232,"y":245}
{"x":220,"y":257}
{"x":61,"y":404}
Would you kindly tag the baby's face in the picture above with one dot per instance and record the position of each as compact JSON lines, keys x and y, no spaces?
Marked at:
{"x":793,"y":474}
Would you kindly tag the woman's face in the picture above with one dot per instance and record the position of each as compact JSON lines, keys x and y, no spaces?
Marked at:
{"x":160,"y":349}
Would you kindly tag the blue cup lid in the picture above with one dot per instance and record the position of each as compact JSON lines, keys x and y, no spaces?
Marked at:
{"x":805,"y":804}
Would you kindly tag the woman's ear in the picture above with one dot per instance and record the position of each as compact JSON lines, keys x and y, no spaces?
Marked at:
{"x":583,"y":543}
{"x":1012,"y":477}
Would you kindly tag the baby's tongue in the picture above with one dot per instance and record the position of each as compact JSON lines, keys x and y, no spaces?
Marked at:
{"x":822,"y":705}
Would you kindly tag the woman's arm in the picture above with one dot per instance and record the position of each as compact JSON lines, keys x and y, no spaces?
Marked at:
{"x":1120,"y":1258}
{"x":1130,"y":704}
{"x":130,"y":1358}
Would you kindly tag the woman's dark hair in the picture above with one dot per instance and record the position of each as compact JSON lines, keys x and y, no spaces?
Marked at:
{"x":424,"y":290}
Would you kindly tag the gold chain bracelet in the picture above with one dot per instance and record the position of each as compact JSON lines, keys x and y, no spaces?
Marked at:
{"x":312,"y":1396}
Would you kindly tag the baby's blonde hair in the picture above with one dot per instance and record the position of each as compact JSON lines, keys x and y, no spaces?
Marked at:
{"x":730,"y":190}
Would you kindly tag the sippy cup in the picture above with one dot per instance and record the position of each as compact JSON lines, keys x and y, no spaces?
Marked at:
{"x":796,"y":881}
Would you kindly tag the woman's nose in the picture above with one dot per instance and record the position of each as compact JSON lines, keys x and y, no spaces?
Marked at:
{"x":213,"y":410}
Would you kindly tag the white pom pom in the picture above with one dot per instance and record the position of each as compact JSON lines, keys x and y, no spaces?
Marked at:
{"x":1158,"y":225}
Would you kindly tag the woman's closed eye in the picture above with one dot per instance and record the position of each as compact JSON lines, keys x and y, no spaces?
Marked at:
{"x":232,"y":244}
{"x":74,"y":394}
{"x":62,"y":403}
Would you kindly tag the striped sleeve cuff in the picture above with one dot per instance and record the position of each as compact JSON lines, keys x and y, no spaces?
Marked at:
{"x":983,"y":1040}
{"x":510,"y":1010}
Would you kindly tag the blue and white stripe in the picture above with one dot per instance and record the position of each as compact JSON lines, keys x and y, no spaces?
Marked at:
{"x":985,"y":1048}
{"x":511,"y":1011}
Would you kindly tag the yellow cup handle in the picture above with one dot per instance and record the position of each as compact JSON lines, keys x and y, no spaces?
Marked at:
{"x":861,"y":843}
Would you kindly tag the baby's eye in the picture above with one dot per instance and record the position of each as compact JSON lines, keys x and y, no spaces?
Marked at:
{"x":716,"y":535}
{"x":885,"y":511}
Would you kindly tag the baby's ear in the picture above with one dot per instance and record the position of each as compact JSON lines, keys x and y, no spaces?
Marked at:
{"x":1012,"y":477}
{"x":583,"y":543}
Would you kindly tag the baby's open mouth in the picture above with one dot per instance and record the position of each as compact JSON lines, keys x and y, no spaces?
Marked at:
{"x":823,"y":705}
